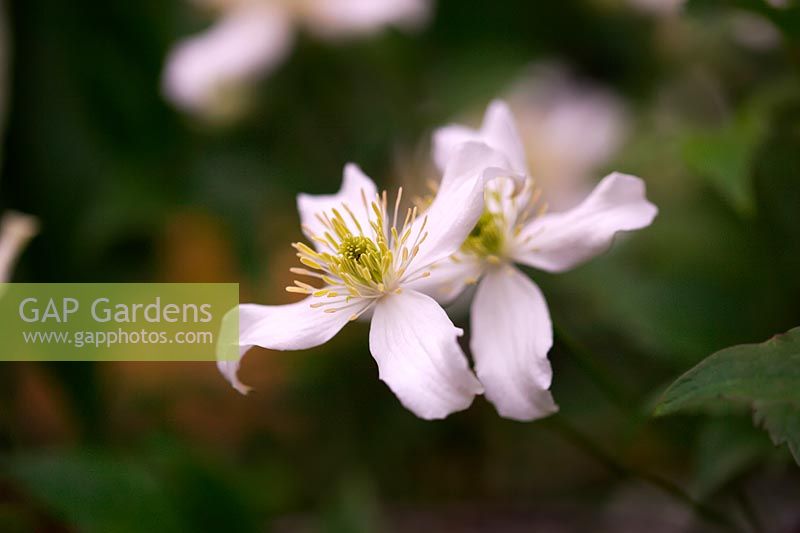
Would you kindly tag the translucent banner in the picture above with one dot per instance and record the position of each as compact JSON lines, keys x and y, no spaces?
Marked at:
{"x":117,"y":322}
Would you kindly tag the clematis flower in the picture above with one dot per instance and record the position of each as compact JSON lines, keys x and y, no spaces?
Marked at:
{"x":207,"y":73}
{"x":511,"y":328}
{"x":366,"y":256}
{"x":15,"y":231}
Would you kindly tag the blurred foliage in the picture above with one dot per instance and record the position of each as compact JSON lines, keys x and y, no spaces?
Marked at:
{"x":117,"y":176}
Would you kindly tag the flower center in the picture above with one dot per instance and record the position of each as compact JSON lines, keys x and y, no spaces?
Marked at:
{"x":356,"y":262}
{"x":487,"y":238}
{"x":354,"y":247}
{"x":360,"y":257}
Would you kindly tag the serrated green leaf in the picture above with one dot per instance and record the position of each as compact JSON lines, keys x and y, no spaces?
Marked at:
{"x":782,"y":421}
{"x":767,"y":372}
{"x":764,"y":376}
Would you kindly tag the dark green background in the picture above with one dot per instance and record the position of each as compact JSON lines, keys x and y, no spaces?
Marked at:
{"x":127,"y":189}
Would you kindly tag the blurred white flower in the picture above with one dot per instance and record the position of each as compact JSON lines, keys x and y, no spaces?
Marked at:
{"x":754,"y":31}
{"x":658,"y":7}
{"x":511,"y":328}
{"x":367,"y":259}
{"x":747,"y":27}
{"x":671,"y":7}
{"x":207,"y":73}
{"x":568,"y":129}
{"x":16,"y":230}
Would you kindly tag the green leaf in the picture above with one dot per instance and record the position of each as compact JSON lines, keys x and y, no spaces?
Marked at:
{"x":764,"y":376}
{"x":782,"y":421}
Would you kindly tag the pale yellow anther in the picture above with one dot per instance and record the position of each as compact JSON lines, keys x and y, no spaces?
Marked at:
{"x":296,"y":290}
{"x":310,"y":263}
{"x":305,"y":286}
{"x":353,"y":218}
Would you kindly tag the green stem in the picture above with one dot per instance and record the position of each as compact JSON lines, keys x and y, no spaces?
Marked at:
{"x":558,"y":425}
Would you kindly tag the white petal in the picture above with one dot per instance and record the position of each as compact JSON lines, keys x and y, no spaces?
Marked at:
{"x":418,"y":356}
{"x":511,"y":335}
{"x":447,"y":139}
{"x":229,"y":351}
{"x":16,"y":230}
{"x":448,"y":278}
{"x":295,"y":326}
{"x":355,"y":187}
{"x":343,"y":18}
{"x":560,"y":241}
{"x":242,"y":46}
{"x":458,"y":203}
{"x":498,"y":131}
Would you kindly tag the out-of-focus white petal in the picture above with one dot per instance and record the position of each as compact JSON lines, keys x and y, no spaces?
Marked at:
{"x":498,"y":131}
{"x":754,"y":31}
{"x":458,"y":203}
{"x":245,"y":44}
{"x":447,"y":139}
{"x":344,"y":18}
{"x":449,"y":277}
{"x":295,"y":326}
{"x":569,"y":127}
{"x":416,"y":348}
{"x":356,"y":186}
{"x":559,"y":241}
{"x":511,"y":335}
{"x":16,"y":230}
{"x":658,"y":7}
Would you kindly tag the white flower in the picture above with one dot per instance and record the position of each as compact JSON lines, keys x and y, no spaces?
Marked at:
{"x":16,"y":230}
{"x":207,"y":73}
{"x":366,"y":256}
{"x":511,"y":328}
